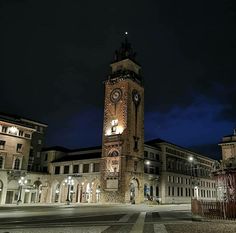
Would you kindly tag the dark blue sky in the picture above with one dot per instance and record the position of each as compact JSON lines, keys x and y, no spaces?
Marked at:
{"x":56,"y":55}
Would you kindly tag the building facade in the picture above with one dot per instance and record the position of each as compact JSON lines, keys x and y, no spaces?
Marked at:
{"x":123,"y":169}
{"x":16,"y":144}
{"x":225,"y":171}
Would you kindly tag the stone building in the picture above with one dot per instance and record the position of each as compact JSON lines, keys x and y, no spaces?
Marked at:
{"x":225,"y":171}
{"x":123,"y":169}
{"x":16,"y":143}
{"x":168,"y":176}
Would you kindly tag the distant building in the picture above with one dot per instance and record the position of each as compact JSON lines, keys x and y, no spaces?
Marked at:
{"x":225,"y":171}
{"x":168,"y":176}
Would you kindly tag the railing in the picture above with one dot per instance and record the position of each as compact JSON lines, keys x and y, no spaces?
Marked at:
{"x":215,"y":210}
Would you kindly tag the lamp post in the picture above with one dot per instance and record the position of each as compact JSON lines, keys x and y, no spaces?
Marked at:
{"x":190,"y":159}
{"x":21,"y":183}
{"x":69,"y":182}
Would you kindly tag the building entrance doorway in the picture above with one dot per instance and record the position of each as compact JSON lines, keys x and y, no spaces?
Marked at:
{"x":133,"y":191}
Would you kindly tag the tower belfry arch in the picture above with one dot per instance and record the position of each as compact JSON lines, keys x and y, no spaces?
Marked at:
{"x":123,"y":129}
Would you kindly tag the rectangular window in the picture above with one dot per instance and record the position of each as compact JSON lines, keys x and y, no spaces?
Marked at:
{"x":173,"y":191}
{"x":157,"y":191}
{"x":46,"y":157}
{"x":151,"y":170}
{"x":186,"y":192}
{"x":4,"y":129}
{"x":168,"y":191}
{"x":85,"y":168}
{"x":27,"y":135}
{"x":76,"y":168}
{"x":157,"y":157}
{"x":45,"y":169}
{"x":178,"y":191}
{"x":21,"y":133}
{"x":151,"y":155}
{"x":57,"y":170}
{"x":38,"y":155}
{"x":2,"y":144}
{"x":17,"y":164}
{"x":145,"y":168}
{"x":96,"y":167}
{"x":39,"y":141}
{"x":19,"y":147}
{"x":181,"y":191}
{"x":157,"y":171}
{"x":1,"y":162}
{"x":66,"y":169}
{"x":145,"y":154}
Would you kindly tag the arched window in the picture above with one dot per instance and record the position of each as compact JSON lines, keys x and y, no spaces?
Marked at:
{"x":17,"y":164}
{"x":1,"y":162}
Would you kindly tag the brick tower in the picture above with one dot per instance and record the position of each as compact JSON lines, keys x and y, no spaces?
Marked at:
{"x":123,"y":130}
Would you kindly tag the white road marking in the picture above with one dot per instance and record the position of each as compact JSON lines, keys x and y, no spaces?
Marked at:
{"x":159,"y":228}
{"x":125,"y":218}
{"x":96,"y":229}
{"x":138,"y":226}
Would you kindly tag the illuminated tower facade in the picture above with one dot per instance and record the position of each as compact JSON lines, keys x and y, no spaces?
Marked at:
{"x":123,"y":130}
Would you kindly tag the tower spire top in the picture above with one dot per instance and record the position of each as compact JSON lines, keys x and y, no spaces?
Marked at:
{"x":125,"y":51}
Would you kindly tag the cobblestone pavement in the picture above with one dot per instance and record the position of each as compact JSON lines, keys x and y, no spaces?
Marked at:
{"x":201,"y":227}
{"x":112,"y":219}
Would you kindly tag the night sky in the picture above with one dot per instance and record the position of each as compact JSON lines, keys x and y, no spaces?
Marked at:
{"x":56,"y":54}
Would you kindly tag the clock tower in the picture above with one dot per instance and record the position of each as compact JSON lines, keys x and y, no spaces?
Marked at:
{"x":123,"y":130}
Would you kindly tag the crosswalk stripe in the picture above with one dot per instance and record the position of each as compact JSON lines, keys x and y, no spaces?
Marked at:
{"x":125,"y":218}
{"x":160,"y":228}
{"x":138,"y":226}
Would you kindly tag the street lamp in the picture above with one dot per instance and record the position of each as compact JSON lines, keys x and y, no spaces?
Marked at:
{"x":21,"y":183}
{"x":69,"y":182}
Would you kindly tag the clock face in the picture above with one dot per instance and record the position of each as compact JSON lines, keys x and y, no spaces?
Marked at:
{"x":116,"y":95}
{"x":113,"y":153}
{"x":136,"y":97}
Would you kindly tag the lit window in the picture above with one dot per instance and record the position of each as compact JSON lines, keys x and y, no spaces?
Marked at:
{"x":114,"y":124}
{"x":39,"y":141}
{"x":13,"y":130}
